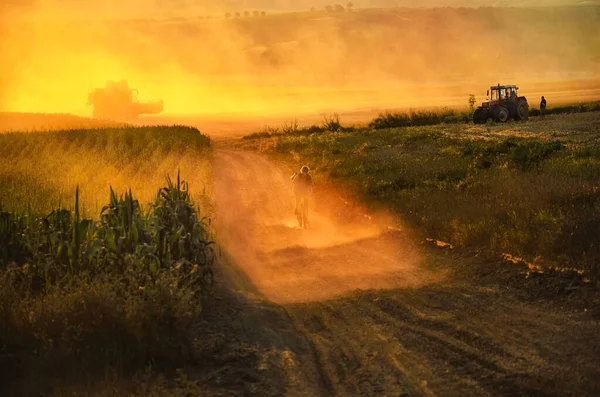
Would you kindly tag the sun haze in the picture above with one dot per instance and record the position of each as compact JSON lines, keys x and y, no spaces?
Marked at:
{"x":213,"y":58}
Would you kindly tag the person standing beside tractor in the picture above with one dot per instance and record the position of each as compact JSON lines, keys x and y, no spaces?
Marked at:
{"x":303,"y":185}
{"x":543,"y":107}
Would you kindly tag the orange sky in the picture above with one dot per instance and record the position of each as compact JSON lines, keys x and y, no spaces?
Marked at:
{"x":53,"y":53}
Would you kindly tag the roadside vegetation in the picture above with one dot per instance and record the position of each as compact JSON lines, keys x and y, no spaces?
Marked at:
{"x":449,"y":116}
{"x":526,"y":189}
{"x":418,"y":118}
{"x":565,"y":109}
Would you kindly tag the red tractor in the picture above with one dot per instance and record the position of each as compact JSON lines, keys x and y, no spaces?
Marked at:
{"x":503,"y":104}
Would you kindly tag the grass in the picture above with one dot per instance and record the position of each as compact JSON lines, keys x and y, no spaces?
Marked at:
{"x":418,"y":118}
{"x":329,"y":123}
{"x":528,"y":189}
{"x":332,"y":123}
{"x":565,"y":109}
{"x":83,"y":300}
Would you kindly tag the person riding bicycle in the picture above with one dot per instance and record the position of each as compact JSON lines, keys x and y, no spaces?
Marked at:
{"x":303,"y":184}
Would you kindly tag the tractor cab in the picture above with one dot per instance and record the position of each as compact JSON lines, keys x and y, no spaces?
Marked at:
{"x":503,"y":103}
{"x":503,"y":93}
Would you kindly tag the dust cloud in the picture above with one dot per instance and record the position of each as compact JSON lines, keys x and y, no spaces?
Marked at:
{"x":340,"y":252}
{"x":202,"y":59}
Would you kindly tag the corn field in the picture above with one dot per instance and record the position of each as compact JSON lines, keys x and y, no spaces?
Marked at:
{"x":43,"y":170}
{"x":167,"y":234}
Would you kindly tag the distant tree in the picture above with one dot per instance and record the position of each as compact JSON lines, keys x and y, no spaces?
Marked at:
{"x":329,"y":8}
{"x":256,"y":13}
{"x":312,"y":9}
{"x":246,"y":14}
{"x":237,"y":15}
{"x":339,"y":8}
{"x":472,"y":101}
{"x":263,"y":13}
{"x":228,"y":15}
{"x":349,"y":6}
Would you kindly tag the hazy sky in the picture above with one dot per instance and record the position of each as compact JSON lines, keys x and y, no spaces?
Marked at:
{"x":129,"y":7}
{"x":283,"y":63}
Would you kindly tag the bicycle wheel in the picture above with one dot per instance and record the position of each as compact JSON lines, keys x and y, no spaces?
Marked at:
{"x":304,"y":212}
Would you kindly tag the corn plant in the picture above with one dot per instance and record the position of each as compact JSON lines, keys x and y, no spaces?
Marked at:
{"x":180,"y":235}
{"x":13,"y":247}
{"x":54,"y":242}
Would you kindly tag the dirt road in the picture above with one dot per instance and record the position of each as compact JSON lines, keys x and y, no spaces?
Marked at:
{"x":380,"y":321}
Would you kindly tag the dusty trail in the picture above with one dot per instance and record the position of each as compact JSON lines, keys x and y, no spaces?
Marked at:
{"x":336,"y":255}
{"x":414,"y":332}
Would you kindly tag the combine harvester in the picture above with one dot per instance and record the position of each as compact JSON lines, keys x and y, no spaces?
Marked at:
{"x":116,"y":101}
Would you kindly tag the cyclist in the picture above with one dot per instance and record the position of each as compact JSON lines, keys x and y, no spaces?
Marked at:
{"x":303,"y":184}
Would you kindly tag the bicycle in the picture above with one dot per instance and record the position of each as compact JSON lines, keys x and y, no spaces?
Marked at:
{"x":302,"y":189}
{"x":302,"y":212}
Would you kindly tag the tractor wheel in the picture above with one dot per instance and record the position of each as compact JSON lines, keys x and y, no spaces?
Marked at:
{"x":501,"y":114}
{"x":479,"y":116}
{"x":522,"y":111}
